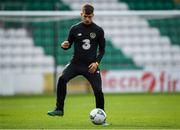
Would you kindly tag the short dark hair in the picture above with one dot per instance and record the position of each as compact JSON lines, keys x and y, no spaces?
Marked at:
{"x":87,"y":8}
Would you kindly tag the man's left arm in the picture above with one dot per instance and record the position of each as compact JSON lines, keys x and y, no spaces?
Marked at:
{"x":101,"y":41}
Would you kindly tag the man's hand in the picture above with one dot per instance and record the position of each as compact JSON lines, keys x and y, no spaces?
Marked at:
{"x":65,"y":44}
{"x":92,"y":67}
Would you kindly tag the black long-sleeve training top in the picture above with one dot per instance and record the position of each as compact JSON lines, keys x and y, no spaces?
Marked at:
{"x":87,"y":39}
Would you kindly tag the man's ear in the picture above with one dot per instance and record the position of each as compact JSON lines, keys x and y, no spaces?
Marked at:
{"x":81,"y":14}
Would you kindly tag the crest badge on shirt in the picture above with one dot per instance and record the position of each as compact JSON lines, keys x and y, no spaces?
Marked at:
{"x":92,"y":35}
{"x":79,"y":34}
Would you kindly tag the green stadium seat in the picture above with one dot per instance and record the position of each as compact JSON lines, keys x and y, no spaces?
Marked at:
{"x":150,"y":4}
{"x":168,"y":27}
{"x":33,"y":5}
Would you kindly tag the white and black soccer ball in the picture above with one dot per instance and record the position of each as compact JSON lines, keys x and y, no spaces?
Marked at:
{"x":98,"y":116}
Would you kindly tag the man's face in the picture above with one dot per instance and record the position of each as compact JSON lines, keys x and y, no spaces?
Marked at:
{"x":87,"y":18}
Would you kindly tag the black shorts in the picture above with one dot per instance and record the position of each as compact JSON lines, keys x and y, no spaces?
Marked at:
{"x":73,"y":70}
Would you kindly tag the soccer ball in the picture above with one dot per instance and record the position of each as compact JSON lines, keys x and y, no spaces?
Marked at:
{"x":97,"y":116}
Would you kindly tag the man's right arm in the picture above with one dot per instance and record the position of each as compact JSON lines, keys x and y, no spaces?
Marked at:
{"x":67,"y":43}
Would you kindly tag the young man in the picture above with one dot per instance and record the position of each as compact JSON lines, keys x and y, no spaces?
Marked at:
{"x":87,"y":37}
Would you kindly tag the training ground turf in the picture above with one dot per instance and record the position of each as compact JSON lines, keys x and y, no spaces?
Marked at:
{"x":124,"y":111}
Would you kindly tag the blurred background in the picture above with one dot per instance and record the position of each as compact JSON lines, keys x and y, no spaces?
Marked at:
{"x":142,"y":51}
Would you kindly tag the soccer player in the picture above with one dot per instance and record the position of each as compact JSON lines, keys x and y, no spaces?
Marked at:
{"x":87,"y":38}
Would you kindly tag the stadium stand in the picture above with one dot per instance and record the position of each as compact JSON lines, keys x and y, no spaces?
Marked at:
{"x":43,"y":33}
{"x":21,"y":44}
{"x":132,"y":42}
{"x":151,"y":43}
{"x":19,"y":55}
{"x":150,"y":4}
{"x":167,"y":53}
{"x":33,"y":5}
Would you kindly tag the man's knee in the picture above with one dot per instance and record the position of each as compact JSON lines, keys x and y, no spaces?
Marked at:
{"x":98,"y":93}
{"x":62,"y":79}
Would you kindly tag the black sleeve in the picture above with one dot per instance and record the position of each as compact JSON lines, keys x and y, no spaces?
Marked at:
{"x":70,"y":38}
{"x":101,"y":41}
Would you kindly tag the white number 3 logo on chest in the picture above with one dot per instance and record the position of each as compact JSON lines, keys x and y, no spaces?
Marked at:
{"x":86,"y":45}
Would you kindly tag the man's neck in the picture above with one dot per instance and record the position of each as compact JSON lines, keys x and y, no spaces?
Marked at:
{"x":85,"y":24}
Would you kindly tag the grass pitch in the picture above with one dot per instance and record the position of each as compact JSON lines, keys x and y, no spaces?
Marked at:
{"x":124,"y":111}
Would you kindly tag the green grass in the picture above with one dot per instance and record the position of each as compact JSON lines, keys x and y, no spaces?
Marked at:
{"x":124,"y":111}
